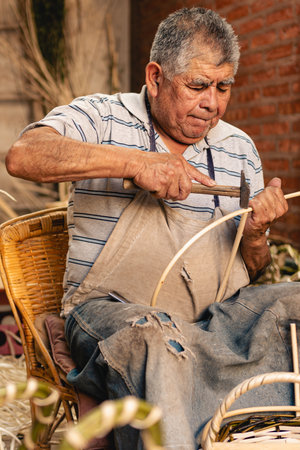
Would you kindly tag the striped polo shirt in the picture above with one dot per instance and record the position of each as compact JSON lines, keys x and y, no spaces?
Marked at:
{"x":95,"y":205}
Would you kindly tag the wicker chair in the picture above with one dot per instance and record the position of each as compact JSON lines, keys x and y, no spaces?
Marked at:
{"x":33,"y":252}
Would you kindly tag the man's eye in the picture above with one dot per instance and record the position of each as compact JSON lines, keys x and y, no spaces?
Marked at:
{"x":197,"y":88}
{"x":222,"y":87}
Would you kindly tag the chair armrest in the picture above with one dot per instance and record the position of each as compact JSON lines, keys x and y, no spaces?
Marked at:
{"x":55,"y":327}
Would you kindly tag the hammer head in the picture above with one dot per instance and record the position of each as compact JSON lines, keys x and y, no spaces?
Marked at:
{"x":245,"y":191}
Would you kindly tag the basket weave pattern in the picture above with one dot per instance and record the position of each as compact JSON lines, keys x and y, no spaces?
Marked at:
{"x":247,"y":385}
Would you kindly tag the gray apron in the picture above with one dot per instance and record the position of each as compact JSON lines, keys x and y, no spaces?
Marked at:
{"x":145,"y":239}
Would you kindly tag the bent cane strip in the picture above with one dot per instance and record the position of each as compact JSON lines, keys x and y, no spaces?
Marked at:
{"x":198,"y":236}
{"x":233,"y":253}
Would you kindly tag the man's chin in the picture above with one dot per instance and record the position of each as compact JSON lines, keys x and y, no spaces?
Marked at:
{"x":197,"y":134}
{"x":193,"y":136}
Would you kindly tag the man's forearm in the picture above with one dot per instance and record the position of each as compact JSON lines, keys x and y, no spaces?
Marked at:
{"x":43,"y":155}
{"x":256,"y":255}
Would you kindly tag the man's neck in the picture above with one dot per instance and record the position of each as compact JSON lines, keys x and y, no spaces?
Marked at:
{"x":175,"y":147}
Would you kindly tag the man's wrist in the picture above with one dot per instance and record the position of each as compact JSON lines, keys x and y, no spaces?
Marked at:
{"x":255,"y":241}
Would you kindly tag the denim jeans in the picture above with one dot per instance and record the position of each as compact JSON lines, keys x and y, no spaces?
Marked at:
{"x":184,"y":368}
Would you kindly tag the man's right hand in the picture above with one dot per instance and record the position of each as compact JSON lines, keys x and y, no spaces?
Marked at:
{"x":168,"y":176}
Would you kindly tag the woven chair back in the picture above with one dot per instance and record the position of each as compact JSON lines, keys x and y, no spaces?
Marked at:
{"x":33,"y":254}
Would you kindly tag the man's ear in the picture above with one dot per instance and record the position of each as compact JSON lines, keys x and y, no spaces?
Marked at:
{"x":154,"y":76}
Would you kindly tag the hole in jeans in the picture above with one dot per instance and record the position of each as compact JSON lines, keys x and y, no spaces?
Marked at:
{"x":164,"y":317}
{"x":175,"y":344}
{"x":142,"y":321}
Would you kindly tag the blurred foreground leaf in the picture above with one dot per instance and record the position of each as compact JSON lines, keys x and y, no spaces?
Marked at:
{"x":285,"y":265}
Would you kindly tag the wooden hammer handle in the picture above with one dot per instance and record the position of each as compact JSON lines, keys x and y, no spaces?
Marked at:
{"x":197,"y":188}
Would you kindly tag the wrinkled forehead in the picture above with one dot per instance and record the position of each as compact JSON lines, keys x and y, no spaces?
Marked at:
{"x":201,"y":69}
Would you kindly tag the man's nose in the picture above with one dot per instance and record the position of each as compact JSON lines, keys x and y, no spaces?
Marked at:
{"x":210,"y":99}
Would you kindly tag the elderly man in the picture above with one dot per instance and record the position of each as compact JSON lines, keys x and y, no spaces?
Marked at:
{"x":188,"y":352}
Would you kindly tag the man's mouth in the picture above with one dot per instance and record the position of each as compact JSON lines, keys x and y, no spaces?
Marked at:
{"x":200,"y":121}
{"x":203,"y":119}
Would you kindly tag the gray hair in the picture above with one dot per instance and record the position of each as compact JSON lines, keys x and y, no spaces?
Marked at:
{"x":182,"y":35}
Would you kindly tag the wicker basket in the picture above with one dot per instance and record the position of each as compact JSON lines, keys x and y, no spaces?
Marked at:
{"x":211,"y":432}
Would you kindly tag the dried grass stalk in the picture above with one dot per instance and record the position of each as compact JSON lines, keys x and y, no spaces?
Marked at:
{"x":43,"y":85}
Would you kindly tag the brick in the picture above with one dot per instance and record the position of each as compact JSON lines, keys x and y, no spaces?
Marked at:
{"x":263,"y":39}
{"x":290,"y":31}
{"x":296,"y":164}
{"x":237,"y":115}
{"x":263,"y":111}
{"x":276,"y":90}
{"x":292,"y":184}
{"x":265,"y":146}
{"x":252,"y":130}
{"x":249,"y":95}
{"x":251,"y":60}
{"x":296,"y":87}
{"x":281,"y":51}
{"x":288,"y":232}
{"x":276,"y":128}
{"x":241,"y":80}
{"x":280,"y":15}
{"x":259,"y":6}
{"x":290,"y":69}
{"x":296,"y":126}
{"x":275,"y":165}
{"x":263,"y":75}
{"x":190,"y":3}
{"x":290,"y":218}
{"x":295,"y":205}
{"x":252,"y":25}
{"x":292,"y":107}
{"x":289,"y":146}
{"x":223,"y":3}
{"x":237,"y":13}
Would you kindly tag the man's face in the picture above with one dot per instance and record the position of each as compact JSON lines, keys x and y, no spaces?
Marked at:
{"x":186,"y":108}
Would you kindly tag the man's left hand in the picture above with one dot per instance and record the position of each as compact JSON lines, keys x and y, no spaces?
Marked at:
{"x":267,"y":206}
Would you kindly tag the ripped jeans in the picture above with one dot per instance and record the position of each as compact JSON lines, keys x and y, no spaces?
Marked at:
{"x":184,"y":368}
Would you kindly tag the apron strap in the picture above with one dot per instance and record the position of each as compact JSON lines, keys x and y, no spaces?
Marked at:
{"x":211,"y":170}
{"x":152,"y":133}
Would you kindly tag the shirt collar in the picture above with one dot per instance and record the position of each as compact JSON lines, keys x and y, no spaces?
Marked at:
{"x":135,"y":103}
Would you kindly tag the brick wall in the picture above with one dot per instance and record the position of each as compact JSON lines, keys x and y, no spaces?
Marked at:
{"x":266,"y":97}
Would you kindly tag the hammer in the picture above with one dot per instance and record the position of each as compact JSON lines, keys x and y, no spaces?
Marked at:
{"x":243,"y":192}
